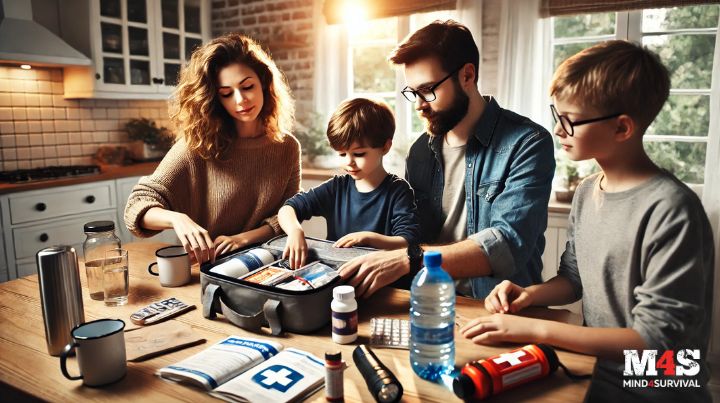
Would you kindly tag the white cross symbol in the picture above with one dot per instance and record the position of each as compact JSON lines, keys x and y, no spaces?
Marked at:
{"x":272,"y":377}
{"x":511,"y":358}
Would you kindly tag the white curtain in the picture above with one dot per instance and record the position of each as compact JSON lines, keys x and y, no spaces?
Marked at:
{"x":711,"y":191}
{"x":331,"y":64}
{"x":469,"y":13}
{"x":524,"y":60}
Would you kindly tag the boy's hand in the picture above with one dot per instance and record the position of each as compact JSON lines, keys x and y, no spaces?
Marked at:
{"x":498,"y":328}
{"x":296,"y":249}
{"x":355,"y":238}
{"x":507,"y":297}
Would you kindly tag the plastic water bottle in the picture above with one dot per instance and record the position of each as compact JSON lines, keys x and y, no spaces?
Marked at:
{"x":432,"y":320}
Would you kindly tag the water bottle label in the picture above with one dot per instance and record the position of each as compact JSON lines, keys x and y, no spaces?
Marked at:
{"x":344,"y":323}
{"x":432,"y":336}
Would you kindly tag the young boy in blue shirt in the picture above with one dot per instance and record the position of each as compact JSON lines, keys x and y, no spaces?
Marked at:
{"x":365,"y":207}
{"x":639,"y":251}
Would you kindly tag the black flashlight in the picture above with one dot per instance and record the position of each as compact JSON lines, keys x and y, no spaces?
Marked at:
{"x":383,"y":385}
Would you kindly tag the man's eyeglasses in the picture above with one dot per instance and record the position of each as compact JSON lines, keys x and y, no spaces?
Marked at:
{"x":426,"y":94}
{"x":569,"y":126}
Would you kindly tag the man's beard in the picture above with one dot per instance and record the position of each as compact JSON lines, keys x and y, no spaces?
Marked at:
{"x":438,"y":123}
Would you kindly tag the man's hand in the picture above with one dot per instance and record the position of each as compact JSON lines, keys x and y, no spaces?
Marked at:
{"x":362,"y":238}
{"x":371,"y":272}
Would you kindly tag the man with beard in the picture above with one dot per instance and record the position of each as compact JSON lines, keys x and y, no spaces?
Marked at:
{"x":481,"y":174}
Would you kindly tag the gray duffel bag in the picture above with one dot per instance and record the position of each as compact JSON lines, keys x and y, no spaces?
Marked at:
{"x":252,"y":306}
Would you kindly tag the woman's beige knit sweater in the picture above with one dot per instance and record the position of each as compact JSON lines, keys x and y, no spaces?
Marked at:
{"x":228,"y":197}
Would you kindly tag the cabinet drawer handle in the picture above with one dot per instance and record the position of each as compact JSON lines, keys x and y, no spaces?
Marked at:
{"x":90,"y":199}
{"x":44,"y":237}
{"x":40,"y":207}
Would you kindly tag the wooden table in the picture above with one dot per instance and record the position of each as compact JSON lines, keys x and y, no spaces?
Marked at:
{"x":27,"y":371}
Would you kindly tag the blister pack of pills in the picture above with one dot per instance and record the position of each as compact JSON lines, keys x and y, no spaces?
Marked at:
{"x":390,"y":333}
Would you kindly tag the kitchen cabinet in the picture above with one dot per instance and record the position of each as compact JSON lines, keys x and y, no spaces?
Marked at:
{"x":37,"y":219}
{"x":3,"y":258}
{"x":555,"y":240}
{"x":137,"y":46}
{"x":124,"y":188}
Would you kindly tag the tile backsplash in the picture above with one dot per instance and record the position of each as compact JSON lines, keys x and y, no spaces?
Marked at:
{"x":39,"y":128}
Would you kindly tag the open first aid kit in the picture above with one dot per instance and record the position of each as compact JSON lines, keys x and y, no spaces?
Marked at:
{"x":255,"y":288}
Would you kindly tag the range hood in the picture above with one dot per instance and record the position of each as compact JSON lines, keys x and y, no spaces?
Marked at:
{"x":22,"y":40}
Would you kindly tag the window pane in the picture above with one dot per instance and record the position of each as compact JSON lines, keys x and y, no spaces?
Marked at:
{"x":684,"y":160}
{"x":192,"y":16}
{"x":371,"y":71}
{"x":685,"y":115}
{"x":562,"y":52}
{"x":137,"y":10}
{"x":139,"y":72}
{"x":190,"y":45}
{"x":138,"y":41}
{"x":378,"y":29}
{"x":110,"y":8}
{"x":172,"y":73}
{"x":171,"y":46}
{"x":113,"y":70}
{"x":111,"y":37}
{"x":418,"y":21}
{"x":688,"y":57}
{"x":680,"y":17}
{"x":584,"y":25}
{"x":170,"y":13}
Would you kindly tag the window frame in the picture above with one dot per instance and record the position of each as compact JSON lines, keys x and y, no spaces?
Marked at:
{"x":628,"y":26}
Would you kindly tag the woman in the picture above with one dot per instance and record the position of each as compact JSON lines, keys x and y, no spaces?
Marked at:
{"x":235,"y":163}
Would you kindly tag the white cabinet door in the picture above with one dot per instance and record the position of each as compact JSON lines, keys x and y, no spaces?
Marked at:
{"x":29,"y":240}
{"x":45,"y":204}
{"x":137,"y":46}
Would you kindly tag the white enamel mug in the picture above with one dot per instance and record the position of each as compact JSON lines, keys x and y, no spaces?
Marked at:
{"x":100,"y":347}
{"x":173,"y":265}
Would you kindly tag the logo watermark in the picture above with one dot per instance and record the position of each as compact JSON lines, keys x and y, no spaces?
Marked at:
{"x":675,"y":368}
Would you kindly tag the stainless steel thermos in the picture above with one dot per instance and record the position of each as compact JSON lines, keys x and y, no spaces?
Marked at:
{"x":60,"y":295}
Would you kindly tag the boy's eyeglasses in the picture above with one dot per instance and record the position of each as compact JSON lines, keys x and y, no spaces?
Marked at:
{"x":426,"y":94}
{"x":569,"y":126}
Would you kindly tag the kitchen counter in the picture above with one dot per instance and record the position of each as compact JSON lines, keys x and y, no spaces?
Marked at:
{"x":107,"y":172}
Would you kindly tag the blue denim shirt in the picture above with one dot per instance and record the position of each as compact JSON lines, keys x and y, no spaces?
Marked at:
{"x":509,"y":166}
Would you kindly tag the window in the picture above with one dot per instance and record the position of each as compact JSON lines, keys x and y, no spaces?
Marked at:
{"x":684,"y":38}
{"x":370,"y":75}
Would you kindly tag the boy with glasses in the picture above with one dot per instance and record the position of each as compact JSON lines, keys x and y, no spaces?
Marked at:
{"x":639,"y":251}
{"x":481,"y":174}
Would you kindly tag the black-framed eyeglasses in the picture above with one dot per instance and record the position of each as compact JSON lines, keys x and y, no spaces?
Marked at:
{"x":569,"y":126}
{"x":426,"y":94}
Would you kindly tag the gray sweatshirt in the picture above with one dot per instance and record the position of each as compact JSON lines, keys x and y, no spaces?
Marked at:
{"x":643,"y":259}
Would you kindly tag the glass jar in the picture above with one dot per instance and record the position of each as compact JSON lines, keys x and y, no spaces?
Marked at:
{"x":100,"y":238}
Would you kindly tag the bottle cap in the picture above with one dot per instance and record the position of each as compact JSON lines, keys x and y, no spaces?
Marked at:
{"x":344,"y":292}
{"x":432,"y":259}
{"x":463,"y":387}
{"x":99,"y":226}
{"x":333,"y":356}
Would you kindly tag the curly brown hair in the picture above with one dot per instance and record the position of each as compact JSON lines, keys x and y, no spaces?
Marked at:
{"x":196,"y":108}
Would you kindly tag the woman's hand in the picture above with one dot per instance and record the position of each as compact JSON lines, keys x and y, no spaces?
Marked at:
{"x":498,"y":328}
{"x":296,"y":249}
{"x":507,"y":297}
{"x":224,"y":244}
{"x":194,"y":238}
{"x":355,"y":238}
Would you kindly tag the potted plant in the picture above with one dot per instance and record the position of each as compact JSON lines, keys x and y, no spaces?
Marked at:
{"x":569,"y":178}
{"x":314,"y":144}
{"x":150,"y":141}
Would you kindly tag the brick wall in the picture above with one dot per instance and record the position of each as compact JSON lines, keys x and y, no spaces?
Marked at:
{"x":39,"y":128}
{"x":285,"y":28}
